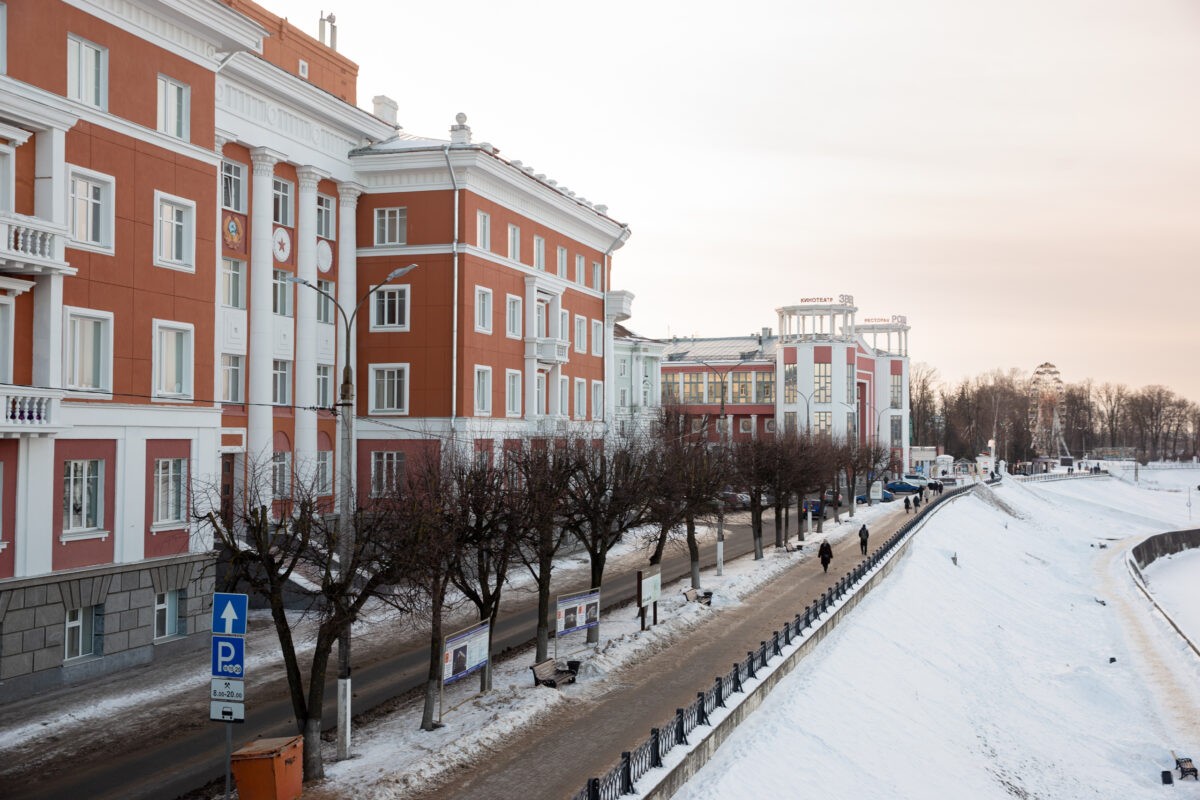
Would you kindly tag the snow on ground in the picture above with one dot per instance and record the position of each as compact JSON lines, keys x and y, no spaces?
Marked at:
{"x":992,"y":678}
{"x":1175,"y":582}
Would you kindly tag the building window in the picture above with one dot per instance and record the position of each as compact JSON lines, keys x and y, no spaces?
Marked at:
{"x":483,"y":230}
{"x":791,"y":392}
{"x":175,"y":233}
{"x":539,"y":253}
{"x":172,"y":359}
{"x":693,"y":387}
{"x":897,"y":388}
{"x":389,"y":308}
{"x":851,"y":425}
{"x":745,"y":425}
{"x":324,"y":474}
{"x":823,"y":422}
{"x":387,"y":472}
{"x":281,"y":194}
{"x":580,"y":398}
{"x":281,"y":293}
{"x":88,"y":345}
{"x":514,"y":243}
{"x":281,"y":382}
{"x":173,"y":102}
{"x":596,"y":274}
{"x":233,"y":283}
{"x":281,"y":475}
{"x":580,"y":334}
{"x":87,"y":72}
{"x":580,"y":263}
{"x":324,"y":386}
{"x":483,"y":310}
{"x":597,"y":400}
{"x":231,"y":378}
{"x":822,"y":383}
{"x":741,"y":386}
{"x":622,"y":367}
{"x":564,"y":395}
{"x":166,"y":614}
{"x":92,"y":208}
{"x":851,"y":394}
{"x":82,"y":630}
{"x":170,"y":491}
{"x":597,"y":338}
{"x":564,"y":325}
{"x":623,"y":397}
{"x":897,"y":431}
{"x":483,"y":391}
{"x":540,"y":400}
{"x":82,"y":495}
{"x":325,"y":300}
{"x":389,"y":388}
{"x":670,"y":390}
{"x":789,"y":421}
{"x":512,"y":392}
{"x":391,"y":226}
{"x":562,"y":263}
{"x":233,"y":186}
{"x":764,"y":387}
{"x":512,"y":317}
{"x":325,"y":226}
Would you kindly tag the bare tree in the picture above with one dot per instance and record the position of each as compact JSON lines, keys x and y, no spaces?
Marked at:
{"x":752,"y":463}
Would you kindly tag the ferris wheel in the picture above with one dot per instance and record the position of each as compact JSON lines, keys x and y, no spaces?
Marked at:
{"x":1045,"y":397}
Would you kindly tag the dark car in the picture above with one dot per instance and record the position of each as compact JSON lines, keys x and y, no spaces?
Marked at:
{"x":833,"y":498}
{"x":734,"y":501}
{"x":886,"y":498}
{"x":902,"y":486}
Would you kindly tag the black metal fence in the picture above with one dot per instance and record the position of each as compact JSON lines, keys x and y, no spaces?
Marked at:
{"x":674,"y":731}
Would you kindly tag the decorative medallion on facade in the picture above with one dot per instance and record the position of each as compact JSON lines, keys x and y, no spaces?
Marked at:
{"x":281,"y":244}
{"x":324,"y":255}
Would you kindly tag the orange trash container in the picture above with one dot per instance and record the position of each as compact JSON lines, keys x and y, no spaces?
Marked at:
{"x":270,"y":769}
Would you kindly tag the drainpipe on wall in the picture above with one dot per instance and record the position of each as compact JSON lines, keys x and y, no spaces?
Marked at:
{"x":454,"y":303}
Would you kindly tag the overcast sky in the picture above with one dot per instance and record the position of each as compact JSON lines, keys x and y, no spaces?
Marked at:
{"x":1021,"y":178}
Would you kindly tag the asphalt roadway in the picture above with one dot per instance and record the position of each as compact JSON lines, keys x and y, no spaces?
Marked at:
{"x":178,"y":759}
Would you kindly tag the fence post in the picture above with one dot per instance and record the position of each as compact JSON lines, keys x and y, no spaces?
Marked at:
{"x":593,"y":789}
{"x":720,"y":690}
{"x":701,"y":712}
{"x":750,"y":664}
{"x":762,"y":654}
{"x":655,"y":751}
{"x":775,"y":644}
{"x":737,"y":678}
{"x":626,"y":774}
{"x":680,"y":738}
{"x":787,"y":633}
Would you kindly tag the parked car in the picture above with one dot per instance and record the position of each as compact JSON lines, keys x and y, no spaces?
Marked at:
{"x":819,"y":510}
{"x":902,"y":486}
{"x":886,"y":498}
{"x":916,"y":480}
{"x":734,"y":501}
{"x":833,"y":498}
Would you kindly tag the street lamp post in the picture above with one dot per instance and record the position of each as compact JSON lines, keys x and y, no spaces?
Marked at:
{"x":345,"y":528}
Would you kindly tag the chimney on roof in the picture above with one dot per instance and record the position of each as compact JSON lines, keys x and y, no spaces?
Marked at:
{"x":386,"y":108}
{"x":766,"y":333}
{"x":460,"y":133}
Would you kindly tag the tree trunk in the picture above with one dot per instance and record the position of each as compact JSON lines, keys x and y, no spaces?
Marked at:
{"x":664,"y":530}
{"x":756,"y":531}
{"x":314,"y":767}
{"x":434,"y":680}
{"x":545,"y":566}
{"x":778,"y":523}
{"x":598,"y":559}
{"x":693,"y":551}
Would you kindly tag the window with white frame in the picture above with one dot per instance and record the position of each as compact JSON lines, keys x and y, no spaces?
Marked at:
{"x":623,"y":397}
{"x":389,"y":388}
{"x":483,"y":310}
{"x":389,"y":308}
{"x":231,"y":378}
{"x":597,"y":337}
{"x":822,"y":382}
{"x":897,"y":431}
{"x":564,"y":325}
{"x":851,"y":389}
{"x":281,"y":382}
{"x":175,"y":232}
{"x":823,"y":422}
{"x":281,"y":199}
{"x":564,"y":395}
{"x":325,"y":218}
{"x":81,"y":631}
{"x":83,"y":495}
{"x":172,"y":359}
{"x":324,"y":474}
{"x":281,"y":293}
{"x":562,"y":262}
{"x":539,"y":320}
{"x":596,"y":275}
{"x":87,"y":72}
{"x":851,"y":425}
{"x":540,"y":384}
{"x":539,"y":253}
{"x":512,"y":392}
{"x":170,"y":491}
{"x":897,"y":391}
{"x":387,"y":471}
{"x":512,"y":316}
{"x":580,"y":263}
{"x":88,"y":345}
{"x":391,"y":226}
{"x":597,"y":400}
{"x":173,"y":107}
{"x":622,"y":367}
{"x":580,"y":334}
{"x":233,"y":283}
{"x":166,"y":614}
{"x":281,"y":475}
{"x":483,"y":230}
{"x":325,"y":298}
{"x":789,"y":421}
{"x":324,"y":398}
{"x":580,"y":398}
{"x":92,"y":208}
{"x":233,"y":186}
{"x":514,"y":243}
{"x":483,"y":391}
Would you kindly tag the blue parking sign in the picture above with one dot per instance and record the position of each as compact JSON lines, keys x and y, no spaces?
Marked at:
{"x":228,"y":657}
{"x":229,"y":613}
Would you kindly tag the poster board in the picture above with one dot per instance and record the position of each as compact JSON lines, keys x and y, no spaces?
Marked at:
{"x":649,"y":586}
{"x":576,"y":612}
{"x":464,"y":652}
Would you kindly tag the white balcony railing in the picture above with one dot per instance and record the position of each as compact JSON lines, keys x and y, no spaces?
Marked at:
{"x":31,"y":244}
{"x":554,"y":350}
{"x":24,"y":410}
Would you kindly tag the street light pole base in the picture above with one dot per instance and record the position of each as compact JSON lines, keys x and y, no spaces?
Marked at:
{"x":343,"y":716}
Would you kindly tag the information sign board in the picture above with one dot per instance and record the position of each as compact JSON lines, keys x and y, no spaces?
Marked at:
{"x":222,"y":711}
{"x":651,"y":587}
{"x":230,"y":691}
{"x":228,"y":656}
{"x":464,"y":652}
{"x":574,"y":612}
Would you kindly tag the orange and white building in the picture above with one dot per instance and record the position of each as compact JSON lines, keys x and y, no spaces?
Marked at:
{"x":172,"y":174}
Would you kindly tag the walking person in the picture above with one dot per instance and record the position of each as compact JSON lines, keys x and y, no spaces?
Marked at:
{"x":907,"y":505}
{"x":825,"y":553}
{"x":863,"y":535}
{"x":916,"y":503}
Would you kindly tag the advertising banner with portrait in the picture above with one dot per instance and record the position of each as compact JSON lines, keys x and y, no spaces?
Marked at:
{"x":464,"y":652}
{"x":575,"y":612}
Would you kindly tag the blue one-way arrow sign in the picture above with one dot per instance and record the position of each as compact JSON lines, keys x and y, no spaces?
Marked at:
{"x":229,"y":614}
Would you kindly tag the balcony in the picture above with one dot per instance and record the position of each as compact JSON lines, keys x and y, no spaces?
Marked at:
{"x":30,"y":412}
{"x":554,"y":351}
{"x":31,"y":245}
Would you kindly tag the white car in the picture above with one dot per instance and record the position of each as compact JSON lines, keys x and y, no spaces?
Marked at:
{"x":916,"y":480}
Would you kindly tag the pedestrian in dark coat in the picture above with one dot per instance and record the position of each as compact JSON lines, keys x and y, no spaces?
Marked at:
{"x":863,"y":534}
{"x":907,"y":505}
{"x":916,"y":503}
{"x":825,"y":553}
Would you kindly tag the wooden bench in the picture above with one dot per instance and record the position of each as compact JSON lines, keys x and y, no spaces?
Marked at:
{"x":1186,"y":767}
{"x":696,"y":596}
{"x":548,"y":673}
{"x":793,"y":548}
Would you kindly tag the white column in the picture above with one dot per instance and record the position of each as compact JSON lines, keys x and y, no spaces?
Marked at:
{"x":50,"y":178}
{"x":610,"y":371}
{"x":38,"y":500}
{"x":347,"y":296}
{"x":129,"y":517}
{"x":48,"y":330}
{"x":554,"y":391}
{"x":259,"y":416}
{"x":306,"y":324}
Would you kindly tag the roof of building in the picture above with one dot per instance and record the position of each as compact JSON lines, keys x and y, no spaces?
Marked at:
{"x":727,"y":348}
